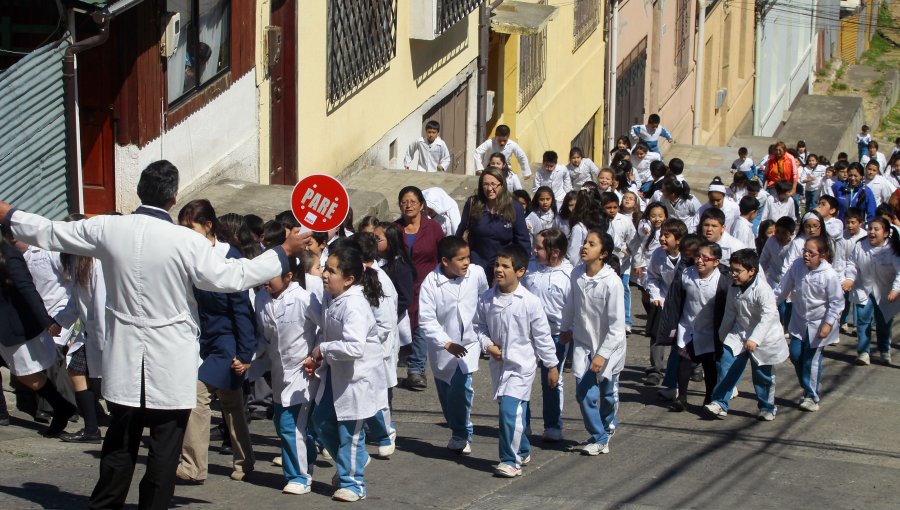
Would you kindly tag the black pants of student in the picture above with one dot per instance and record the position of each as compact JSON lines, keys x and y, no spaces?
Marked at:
{"x":120,"y":451}
{"x":657,"y":352}
{"x":708,"y":361}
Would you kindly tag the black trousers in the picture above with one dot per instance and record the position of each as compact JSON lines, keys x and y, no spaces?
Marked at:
{"x":120,"y":451}
{"x":708,"y":361}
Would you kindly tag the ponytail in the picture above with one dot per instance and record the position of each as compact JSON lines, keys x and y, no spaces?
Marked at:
{"x":371,"y":286}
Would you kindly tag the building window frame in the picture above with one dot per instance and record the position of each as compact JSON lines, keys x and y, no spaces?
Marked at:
{"x":451,"y":12}
{"x":192,"y":38}
{"x":587,"y":19}
{"x":362,"y":40}
{"x":682,"y":40}
{"x":532,"y":64}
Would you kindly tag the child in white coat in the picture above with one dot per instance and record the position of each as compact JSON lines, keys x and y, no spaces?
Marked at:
{"x":542,"y":212}
{"x":594,"y":319}
{"x":512,"y":327}
{"x":447,"y":300}
{"x":553,"y":175}
{"x":550,"y":280}
{"x":751,"y":330}
{"x":581,"y":169}
{"x":349,"y":364}
{"x":815,"y":289}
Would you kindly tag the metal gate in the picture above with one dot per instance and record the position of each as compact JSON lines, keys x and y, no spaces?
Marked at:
{"x":630,"y":83}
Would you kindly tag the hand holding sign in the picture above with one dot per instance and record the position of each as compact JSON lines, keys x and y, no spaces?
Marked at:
{"x":320,"y":203}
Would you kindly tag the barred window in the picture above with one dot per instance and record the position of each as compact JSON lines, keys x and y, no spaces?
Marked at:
{"x":587,"y":19}
{"x":532,"y":64}
{"x":362,"y":39}
{"x":452,"y":11}
{"x":682,"y":35}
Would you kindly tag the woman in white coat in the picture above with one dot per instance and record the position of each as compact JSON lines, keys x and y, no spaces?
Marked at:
{"x":815,"y":289}
{"x":751,"y":330}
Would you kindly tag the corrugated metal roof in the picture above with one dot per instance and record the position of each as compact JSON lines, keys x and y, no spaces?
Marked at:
{"x":33,"y":133}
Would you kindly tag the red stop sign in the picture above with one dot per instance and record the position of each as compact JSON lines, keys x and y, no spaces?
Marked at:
{"x":320,"y":202}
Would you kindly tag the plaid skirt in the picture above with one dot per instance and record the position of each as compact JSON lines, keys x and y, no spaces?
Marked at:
{"x":79,"y":364}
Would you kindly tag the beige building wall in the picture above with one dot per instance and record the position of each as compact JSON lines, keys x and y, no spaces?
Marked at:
{"x":571,"y":94}
{"x":382,"y":117}
{"x":673,"y":100}
{"x":728,"y":63}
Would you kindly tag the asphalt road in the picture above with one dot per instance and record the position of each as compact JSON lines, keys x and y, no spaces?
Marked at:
{"x":845,"y":456}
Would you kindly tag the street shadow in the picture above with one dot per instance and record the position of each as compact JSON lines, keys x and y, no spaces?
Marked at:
{"x":432,"y":451}
{"x":46,"y":495}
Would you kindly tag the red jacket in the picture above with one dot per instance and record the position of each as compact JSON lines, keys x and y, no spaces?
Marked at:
{"x":424,"y":255}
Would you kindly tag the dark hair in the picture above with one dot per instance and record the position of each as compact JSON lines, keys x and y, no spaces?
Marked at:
{"x":714,"y":248}
{"x":782,"y":187}
{"x":198,"y":211}
{"x":675,"y":227}
{"x":368,"y":245}
{"x":673,"y":186}
{"x":397,"y":253}
{"x":676,"y":166}
{"x":874,"y":162}
{"x":608,"y":197}
{"x":158,"y":184}
{"x":347,"y":225}
{"x":824,"y":246}
{"x":746,"y":258}
{"x":873,"y":142}
{"x":505,"y":170}
{"x":575,"y":151}
{"x":367,"y":221}
{"x":642,"y":146}
{"x":350,"y":263}
{"x":536,"y":206}
{"x":449,"y":246}
{"x":433,"y":124}
{"x":606,"y":243}
{"x":287,"y":219}
{"x":810,"y":157}
{"x":478,"y":202}
{"x":553,"y":239}
{"x":855,"y":212}
{"x":786,"y":223}
{"x":615,"y":264}
{"x":232,"y":229}
{"x":255,"y":224}
{"x":761,"y":236}
{"x":890,"y":233}
{"x":754,"y":186}
{"x":886,"y":209}
{"x":521,"y":193}
{"x":690,"y":242}
{"x":650,"y":207}
{"x":712,"y":214}
{"x":320,"y":237}
{"x":653,"y":119}
{"x":515,"y":253}
{"x":742,"y":152}
{"x":77,"y":268}
{"x":588,"y":211}
{"x":856,"y":166}
{"x":5,"y":277}
{"x":624,"y":138}
{"x":621,"y":171}
{"x":273,"y":234}
{"x":563,"y":209}
{"x":657,"y":169}
{"x":306,"y":260}
{"x":739,"y":179}
{"x":550,"y":157}
{"x":801,"y":143}
{"x":502,"y":130}
{"x":411,"y":189}
{"x":831,"y":201}
{"x":841,"y":164}
{"x":748,"y":205}
{"x":842,"y":156}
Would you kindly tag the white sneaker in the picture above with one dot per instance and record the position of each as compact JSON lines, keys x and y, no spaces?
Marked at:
{"x":459,"y":445}
{"x":862,"y":359}
{"x":627,"y":330}
{"x":552,"y":436}
{"x":765,"y":415}
{"x":715,"y":410}
{"x":388,"y":450}
{"x":809,"y":405}
{"x":276,"y":461}
{"x":885,"y":357}
{"x":580,"y":446}
{"x":504,"y":470}
{"x":593,"y":449}
{"x":526,"y":460}
{"x":346,"y":495}
{"x":296,"y":488}
{"x":735,"y":392}
{"x":668,"y":393}
{"x":324,"y":452}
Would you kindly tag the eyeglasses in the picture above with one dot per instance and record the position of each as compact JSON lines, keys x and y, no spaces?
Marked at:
{"x":490,"y":185}
{"x":810,"y":253}
{"x":408,"y":203}
{"x":737,"y":272}
{"x":706,"y":259}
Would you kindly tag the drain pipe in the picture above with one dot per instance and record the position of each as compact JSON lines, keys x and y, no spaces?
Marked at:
{"x":485,"y":11}
{"x":758,"y":34}
{"x":613,"y":74}
{"x":698,"y":83}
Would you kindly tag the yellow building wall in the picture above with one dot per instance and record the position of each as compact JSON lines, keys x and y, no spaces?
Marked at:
{"x":727,"y":63}
{"x":331,"y":138}
{"x":572,"y":93}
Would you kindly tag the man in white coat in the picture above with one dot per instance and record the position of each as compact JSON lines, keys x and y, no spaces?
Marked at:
{"x":151,"y":350}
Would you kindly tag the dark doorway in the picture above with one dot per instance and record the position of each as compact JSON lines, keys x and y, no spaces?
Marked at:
{"x":451,"y":113}
{"x":283,"y":74}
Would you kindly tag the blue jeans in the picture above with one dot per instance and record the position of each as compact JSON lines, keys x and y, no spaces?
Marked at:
{"x":863,"y":149}
{"x":812,"y":199}
{"x":625,"y":278}
{"x":553,"y":398}
{"x":456,"y":403}
{"x":864,"y":315}
{"x":298,"y":449}
{"x":415,"y":363}
{"x":848,"y":308}
{"x":514,"y":445}
{"x":344,"y":440}
{"x":730,"y":370}
{"x":784,"y":313}
{"x":598,"y":398}
{"x":673,"y":365}
{"x":808,"y":365}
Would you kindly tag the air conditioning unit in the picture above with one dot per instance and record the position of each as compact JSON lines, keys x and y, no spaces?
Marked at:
{"x":171,"y":34}
{"x":423,"y":19}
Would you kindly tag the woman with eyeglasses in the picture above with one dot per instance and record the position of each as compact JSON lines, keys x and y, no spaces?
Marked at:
{"x":491,"y":219}
{"x":421,"y":235}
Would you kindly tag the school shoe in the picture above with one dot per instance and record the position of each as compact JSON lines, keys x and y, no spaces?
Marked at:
{"x":885,"y":357}
{"x":388,"y":450}
{"x":678,"y":405}
{"x":765,"y":415}
{"x":459,"y":445}
{"x":697,"y":374}
{"x":715,"y":410}
{"x":668,"y":393}
{"x":809,"y":405}
{"x":4,"y":420}
{"x":653,"y":379}
{"x":296,"y":488}
{"x":735,"y":392}
{"x":277,"y":461}
{"x":323,"y":452}
{"x":346,"y":495}
{"x":335,"y":479}
{"x":504,"y":470}
{"x":416,"y":382}
{"x":82,"y":437}
{"x":627,"y":330}
{"x":527,"y":460}
{"x":240,"y":476}
{"x":862,"y":359}
{"x":552,"y":435}
{"x":847,"y":330}
{"x":594,"y":449}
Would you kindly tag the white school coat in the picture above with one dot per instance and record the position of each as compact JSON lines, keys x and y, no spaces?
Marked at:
{"x":511,"y":149}
{"x":731,"y":209}
{"x":882,"y":189}
{"x":742,"y":230}
{"x":386,"y":320}
{"x":537,"y":222}
{"x":874,"y":271}
{"x":352,"y":356}
{"x":446,"y":311}
{"x":817,"y":299}
{"x":751,"y":314}
{"x":685,"y":210}
{"x":88,"y":303}
{"x":843,"y":249}
{"x":771,"y":260}
{"x":794,"y":252}
{"x":595,"y":315}
{"x":660,"y":273}
{"x":428,"y":155}
{"x":151,"y":267}
{"x":698,"y":313}
{"x":445,"y":207}
{"x":775,"y":208}
{"x":517,"y":324}
{"x":50,"y":282}
{"x":576,"y":239}
{"x":625,"y":240}
{"x":729,"y":245}
{"x":552,"y":285}
{"x":558,"y":180}
{"x":286,"y":334}
{"x":587,"y":171}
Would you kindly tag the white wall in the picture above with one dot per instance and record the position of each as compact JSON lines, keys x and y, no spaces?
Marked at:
{"x":219,"y":140}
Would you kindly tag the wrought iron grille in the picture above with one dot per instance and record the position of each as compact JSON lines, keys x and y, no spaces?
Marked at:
{"x":532,"y":64}
{"x":587,"y":19}
{"x":452,"y":11}
{"x":362,"y":39}
{"x":682,"y":35}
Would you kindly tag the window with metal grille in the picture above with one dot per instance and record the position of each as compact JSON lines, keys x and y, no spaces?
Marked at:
{"x":682,"y":36}
{"x":532,"y":64}
{"x":362,"y":39}
{"x":452,"y":11}
{"x":587,"y":19}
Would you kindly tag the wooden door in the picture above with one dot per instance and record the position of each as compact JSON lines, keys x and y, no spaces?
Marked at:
{"x":630,"y":84}
{"x":283,"y":132}
{"x":96,"y":96}
{"x":451,"y":112}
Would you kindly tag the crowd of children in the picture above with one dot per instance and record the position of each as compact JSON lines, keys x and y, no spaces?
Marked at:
{"x":772,"y":267}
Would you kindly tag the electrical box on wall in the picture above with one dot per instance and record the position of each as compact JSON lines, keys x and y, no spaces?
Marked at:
{"x":172,"y":33}
{"x":273,"y":45}
{"x":423,"y":15}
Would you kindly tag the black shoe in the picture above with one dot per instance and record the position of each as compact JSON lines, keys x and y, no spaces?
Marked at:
{"x":60,"y":419}
{"x":697,"y":374}
{"x":678,"y":406}
{"x":653,"y":379}
{"x":42,"y":417}
{"x":82,"y":437}
{"x":257,"y":415}
{"x":4,"y":420}
{"x":216,"y":434}
{"x":416,"y":382}
{"x":226,"y":449}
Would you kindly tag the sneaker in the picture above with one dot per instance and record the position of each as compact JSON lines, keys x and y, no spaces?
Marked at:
{"x":416,"y":382}
{"x":526,"y":460}
{"x":552,"y":436}
{"x":845,"y":329}
{"x":627,"y":330}
{"x":504,"y":470}
{"x":323,"y":452}
{"x":765,"y":415}
{"x":678,"y":406}
{"x":296,"y":488}
{"x":653,"y":379}
{"x":277,"y":461}
{"x":346,"y":495}
{"x":862,"y":359}
{"x":388,"y":450}
{"x":885,"y":357}
{"x":735,"y":392}
{"x":458,"y":445}
{"x":668,"y":393}
{"x":715,"y":410}
{"x":809,"y":405}
{"x":240,"y":476}
{"x":594,"y":449}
